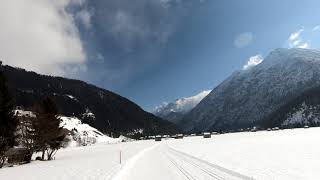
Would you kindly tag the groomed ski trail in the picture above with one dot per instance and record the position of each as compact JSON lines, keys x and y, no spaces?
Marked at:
{"x":163,"y":162}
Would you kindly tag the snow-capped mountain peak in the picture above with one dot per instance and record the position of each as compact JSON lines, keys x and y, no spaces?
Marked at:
{"x":173,"y":111}
{"x":282,"y":56}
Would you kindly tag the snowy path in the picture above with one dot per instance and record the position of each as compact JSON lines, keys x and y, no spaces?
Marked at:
{"x":203,"y":169}
{"x":98,"y":162}
{"x":267,"y":155}
{"x":162,"y":162}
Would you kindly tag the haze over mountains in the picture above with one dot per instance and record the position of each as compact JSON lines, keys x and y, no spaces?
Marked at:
{"x":283,"y":90}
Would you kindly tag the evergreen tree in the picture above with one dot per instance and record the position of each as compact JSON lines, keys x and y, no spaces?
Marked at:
{"x":8,"y":122}
{"x":48,"y":135}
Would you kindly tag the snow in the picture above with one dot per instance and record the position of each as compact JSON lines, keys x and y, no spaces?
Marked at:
{"x":84,"y":130}
{"x":181,"y":105}
{"x":20,"y":113}
{"x":135,"y":131}
{"x":305,"y":114}
{"x":82,"y":163}
{"x":284,"y":154}
{"x":88,"y":114}
{"x":71,"y":97}
{"x":130,"y":165}
{"x":79,"y":129}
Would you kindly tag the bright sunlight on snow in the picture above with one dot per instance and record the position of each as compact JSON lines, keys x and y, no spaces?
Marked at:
{"x":283,"y":154}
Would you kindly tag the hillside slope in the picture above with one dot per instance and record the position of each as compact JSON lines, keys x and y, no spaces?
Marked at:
{"x":102,"y":109}
{"x":252,"y":97}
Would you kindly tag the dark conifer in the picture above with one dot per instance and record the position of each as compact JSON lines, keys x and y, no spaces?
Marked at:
{"x":48,"y":133}
{"x":8,"y":122}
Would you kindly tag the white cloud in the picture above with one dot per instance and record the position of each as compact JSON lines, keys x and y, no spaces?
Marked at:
{"x":244,"y":39}
{"x":295,"y":40}
{"x":253,"y":61}
{"x":40,"y":35}
{"x":295,"y":35}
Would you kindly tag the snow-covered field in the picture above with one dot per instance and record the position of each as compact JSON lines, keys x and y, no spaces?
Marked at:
{"x":99,"y":161}
{"x":284,"y":154}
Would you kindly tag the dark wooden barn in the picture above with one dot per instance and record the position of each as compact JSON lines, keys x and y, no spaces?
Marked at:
{"x":18,"y":155}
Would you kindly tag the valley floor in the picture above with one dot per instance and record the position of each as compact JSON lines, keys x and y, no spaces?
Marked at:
{"x":284,"y":154}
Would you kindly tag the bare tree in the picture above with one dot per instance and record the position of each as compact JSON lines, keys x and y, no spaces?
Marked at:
{"x":25,"y":132}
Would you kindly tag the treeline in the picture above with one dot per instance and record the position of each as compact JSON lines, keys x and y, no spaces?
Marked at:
{"x":38,"y":131}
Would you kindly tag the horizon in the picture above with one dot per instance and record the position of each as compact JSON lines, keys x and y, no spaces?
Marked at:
{"x":155,"y":51}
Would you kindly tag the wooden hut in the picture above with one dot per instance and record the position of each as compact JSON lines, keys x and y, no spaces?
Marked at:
{"x":179,"y":136}
{"x":18,"y":155}
{"x":206,"y":135}
{"x":158,"y":138}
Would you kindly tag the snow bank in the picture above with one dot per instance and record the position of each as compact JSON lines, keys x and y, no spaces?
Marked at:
{"x":75,"y":125}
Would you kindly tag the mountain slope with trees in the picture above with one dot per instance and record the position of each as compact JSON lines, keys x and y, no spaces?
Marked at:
{"x":264,"y":96}
{"x":100,"y":108}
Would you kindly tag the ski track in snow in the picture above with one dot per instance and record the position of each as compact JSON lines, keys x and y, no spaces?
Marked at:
{"x":209,"y":170}
{"x":162,"y":162}
{"x":129,"y":165}
{"x":284,"y":154}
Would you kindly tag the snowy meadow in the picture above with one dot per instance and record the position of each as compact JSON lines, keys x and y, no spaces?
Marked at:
{"x":283,"y":154}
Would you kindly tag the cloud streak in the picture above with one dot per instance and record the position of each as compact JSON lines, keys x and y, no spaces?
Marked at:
{"x":316,"y":28}
{"x":243,"y":40}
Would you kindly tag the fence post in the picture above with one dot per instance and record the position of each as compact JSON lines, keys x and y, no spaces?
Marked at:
{"x":120,"y":156}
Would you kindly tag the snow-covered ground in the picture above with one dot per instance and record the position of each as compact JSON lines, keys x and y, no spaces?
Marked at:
{"x":283,"y":154}
{"x":84,"y":130}
{"x":97,"y":162}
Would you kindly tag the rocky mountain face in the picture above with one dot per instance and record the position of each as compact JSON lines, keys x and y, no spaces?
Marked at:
{"x":280,"y":91}
{"x":100,"y":108}
{"x":176,"y":110}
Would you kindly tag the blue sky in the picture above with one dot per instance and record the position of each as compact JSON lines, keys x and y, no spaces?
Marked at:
{"x":154,"y":51}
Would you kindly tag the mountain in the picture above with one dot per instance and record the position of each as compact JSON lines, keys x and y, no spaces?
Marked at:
{"x":175,"y":111}
{"x":100,"y":108}
{"x":283,"y":90}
